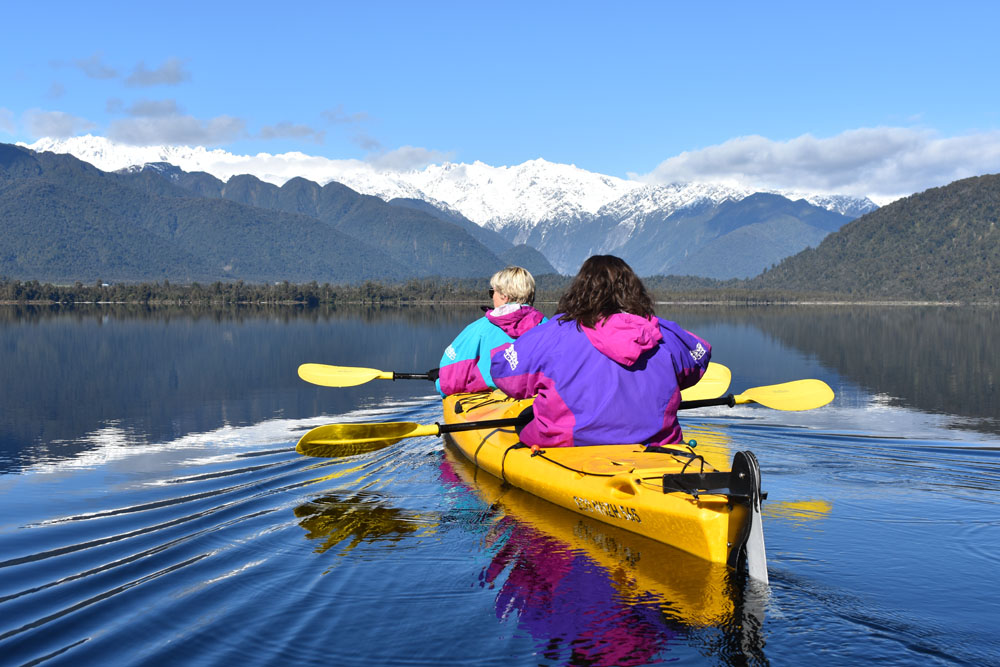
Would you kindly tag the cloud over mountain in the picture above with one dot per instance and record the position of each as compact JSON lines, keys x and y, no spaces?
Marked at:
{"x":42,"y":123}
{"x":176,"y":129}
{"x":406,"y":158}
{"x":883,"y":163}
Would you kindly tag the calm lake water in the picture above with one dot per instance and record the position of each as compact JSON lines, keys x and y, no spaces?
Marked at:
{"x":153,"y":509}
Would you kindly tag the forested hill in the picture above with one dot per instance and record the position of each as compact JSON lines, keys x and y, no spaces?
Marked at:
{"x":424,"y":239}
{"x":941,"y":244}
{"x":62,"y":220}
{"x":518,"y":255}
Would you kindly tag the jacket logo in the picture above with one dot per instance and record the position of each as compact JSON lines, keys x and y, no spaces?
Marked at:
{"x":698,"y":352}
{"x":510,"y":354}
{"x":450,"y":353}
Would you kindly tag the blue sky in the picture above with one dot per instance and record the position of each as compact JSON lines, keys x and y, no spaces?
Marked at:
{"x":880,"y":98}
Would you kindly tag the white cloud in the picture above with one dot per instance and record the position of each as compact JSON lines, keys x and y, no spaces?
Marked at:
{"x":95,"y":68}
{"x":293,"y":130}
{"x":7,"y":121}
{"x":882,"y":163}
{"x":406,"y":158}
{"x":337,"y":116}
{"x":175,"y":129}
{"x":60,"y":124}
{"x":169,"y":73}
{"x":359,"y":137}
{"x":56,"y":90}
{"x":366,"y":142}
{"x":154,"y":108}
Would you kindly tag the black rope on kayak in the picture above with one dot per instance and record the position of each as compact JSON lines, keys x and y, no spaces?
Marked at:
{"x":675,"y":453}
{"x":541,"y":454}
{"x":503,"y":460}
{"x":475,"y":455}
{"x":475,"y":401}
{"x":696,"y":457}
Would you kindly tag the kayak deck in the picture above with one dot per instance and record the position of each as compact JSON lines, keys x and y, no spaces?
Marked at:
{"x":673,"y":495}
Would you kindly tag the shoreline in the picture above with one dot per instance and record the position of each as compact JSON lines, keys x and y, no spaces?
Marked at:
{"x":749,"y":303}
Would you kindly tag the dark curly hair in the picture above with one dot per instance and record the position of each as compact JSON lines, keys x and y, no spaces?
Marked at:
{"x":604,"y":286}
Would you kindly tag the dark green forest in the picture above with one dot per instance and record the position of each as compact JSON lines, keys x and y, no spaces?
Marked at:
{"x":942,"y":244}
{"x":417,"y":290}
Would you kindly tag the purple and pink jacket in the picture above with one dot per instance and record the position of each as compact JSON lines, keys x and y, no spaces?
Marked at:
{"x":465,"y":364}
{"x":619,"y":382}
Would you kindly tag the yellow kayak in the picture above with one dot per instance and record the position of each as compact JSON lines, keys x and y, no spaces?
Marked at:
{"x":676,"y":495}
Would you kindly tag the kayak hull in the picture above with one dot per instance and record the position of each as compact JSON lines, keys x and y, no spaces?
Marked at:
{"x":622,"y":485}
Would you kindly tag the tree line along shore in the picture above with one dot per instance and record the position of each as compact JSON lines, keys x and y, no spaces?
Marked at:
{"x":415,"y":291}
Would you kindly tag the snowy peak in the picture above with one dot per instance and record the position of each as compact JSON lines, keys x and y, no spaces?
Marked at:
{"x":665,"y":199}
{"x":852,"y":207}
{"x":528,"y":193}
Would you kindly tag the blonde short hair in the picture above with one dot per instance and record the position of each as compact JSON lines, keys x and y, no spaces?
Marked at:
{"x":515,"y":283}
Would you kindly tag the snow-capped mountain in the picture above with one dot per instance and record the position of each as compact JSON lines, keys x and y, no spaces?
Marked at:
{"x":521,"y":196}
{"x":563,"y":211}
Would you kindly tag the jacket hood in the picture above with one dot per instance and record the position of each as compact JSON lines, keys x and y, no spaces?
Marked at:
{"x":516,"y":322}
{"x":624,"y":337}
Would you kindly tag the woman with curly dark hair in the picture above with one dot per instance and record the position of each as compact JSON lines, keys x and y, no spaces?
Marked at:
{"x":605,"y":370}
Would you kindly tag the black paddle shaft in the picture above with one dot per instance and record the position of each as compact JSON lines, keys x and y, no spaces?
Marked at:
{"x":431,"y":375}
{"x":729,"y":400}
{"x":488,"y":423}
{"x":528,"y":414}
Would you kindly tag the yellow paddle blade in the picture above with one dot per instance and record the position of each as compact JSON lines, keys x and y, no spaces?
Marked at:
{"x":334,"y":439}
{"x":340,"y":376}
{"x":797,"y":395}
{"x":342,"y":450}
{"x":714,"y":383}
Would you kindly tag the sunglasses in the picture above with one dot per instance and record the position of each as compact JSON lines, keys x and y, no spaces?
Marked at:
{"x":491,"y":292}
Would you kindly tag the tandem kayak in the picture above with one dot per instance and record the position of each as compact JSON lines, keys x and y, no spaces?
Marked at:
{"x":676,"y":494}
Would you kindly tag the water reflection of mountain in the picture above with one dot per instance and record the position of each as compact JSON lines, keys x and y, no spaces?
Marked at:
{"x":935,"y":359}
{"x":159,"y":374}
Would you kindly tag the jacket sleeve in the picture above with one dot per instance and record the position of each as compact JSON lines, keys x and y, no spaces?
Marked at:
{"x":516,"y":368}
{"x":458,"y":371}
{"x":691,"y":353}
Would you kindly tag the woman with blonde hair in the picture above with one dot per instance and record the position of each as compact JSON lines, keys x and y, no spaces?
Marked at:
{"x":606,"y":370}
{"x":465,"y":364}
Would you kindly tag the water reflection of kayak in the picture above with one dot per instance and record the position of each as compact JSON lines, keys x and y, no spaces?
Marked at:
{"x":681,"y":496}
{"x":691,"y":590}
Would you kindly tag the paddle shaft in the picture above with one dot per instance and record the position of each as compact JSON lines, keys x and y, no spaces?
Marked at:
{"x":528,"y":414}
{"x":411,"y":376}
{"x":520,"y":420}
{"x":729,"y":400}
{"x":796,"y":395}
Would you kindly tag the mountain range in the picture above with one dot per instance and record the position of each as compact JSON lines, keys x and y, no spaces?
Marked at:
{"x":564,"y":212}
{"x":61,"y":219}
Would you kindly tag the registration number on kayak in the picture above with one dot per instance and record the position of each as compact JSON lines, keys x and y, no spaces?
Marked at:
{"x":607,"y":509}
